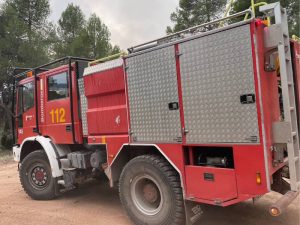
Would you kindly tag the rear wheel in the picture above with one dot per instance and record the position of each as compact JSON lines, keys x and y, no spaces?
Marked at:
{"x":36,"y":177}
{"x":151,"y":193}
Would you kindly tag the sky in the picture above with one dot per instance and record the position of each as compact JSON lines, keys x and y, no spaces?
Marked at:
{"x":130,"y":22}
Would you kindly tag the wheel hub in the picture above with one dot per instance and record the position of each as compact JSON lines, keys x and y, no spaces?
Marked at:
{"x":146,"y":195}
{"x":39,"y":176}
{"x":150,"y":193}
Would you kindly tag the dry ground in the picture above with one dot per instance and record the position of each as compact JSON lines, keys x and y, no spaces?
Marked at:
{"x":95,"y":203}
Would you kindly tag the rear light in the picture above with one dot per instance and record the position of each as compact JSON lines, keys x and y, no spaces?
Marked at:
{"x":258,"y":178}
{"x":260,"y":22}
{"x":274,"y":211}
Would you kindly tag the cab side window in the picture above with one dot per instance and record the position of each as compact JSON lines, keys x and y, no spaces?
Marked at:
{"x":28,"y":96}
{"x":58,"y":86}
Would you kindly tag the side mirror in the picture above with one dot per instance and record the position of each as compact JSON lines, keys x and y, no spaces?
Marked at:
{"x":5,"y":96}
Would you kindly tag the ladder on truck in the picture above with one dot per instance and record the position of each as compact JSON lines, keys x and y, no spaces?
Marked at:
{"x":287,"y":87}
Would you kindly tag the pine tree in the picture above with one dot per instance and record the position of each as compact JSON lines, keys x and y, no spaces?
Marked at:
{"x":98,"y":38}
{"x":193,"y":12}
{"x":24,"y":40}
{"x":70,"y":30}
{"x":24,"y":32}
{"x":78,"y":37}
{"x":114,"y":50}
{"x":33,"y":13}
{"x":71,"y":23}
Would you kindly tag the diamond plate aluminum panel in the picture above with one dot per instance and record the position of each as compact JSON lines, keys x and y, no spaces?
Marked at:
{"x":103,"y":66}
{"x":215,"y":71}
{"x":152,"y":85}
{"x":83,"y":102}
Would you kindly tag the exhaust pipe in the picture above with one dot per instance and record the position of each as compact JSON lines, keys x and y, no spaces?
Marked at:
{"x":281,"y":205}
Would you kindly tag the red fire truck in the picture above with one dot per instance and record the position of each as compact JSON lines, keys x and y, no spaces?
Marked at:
{"x":203,"y":116}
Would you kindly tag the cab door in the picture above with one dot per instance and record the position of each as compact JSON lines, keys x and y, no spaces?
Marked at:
{"x":26,"y":120}
{"x":57,"y":109}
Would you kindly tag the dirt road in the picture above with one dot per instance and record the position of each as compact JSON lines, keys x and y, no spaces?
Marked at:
{"x":95,"y":203}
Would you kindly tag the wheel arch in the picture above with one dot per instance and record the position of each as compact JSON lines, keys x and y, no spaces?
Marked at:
{"x":41,"y":143}
{"x":28,"y":147}
{"x":128,"y":152}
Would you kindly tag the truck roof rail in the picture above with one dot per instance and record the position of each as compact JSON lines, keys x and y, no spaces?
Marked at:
{"x":193,"y":30}
{"x":24,"y":71}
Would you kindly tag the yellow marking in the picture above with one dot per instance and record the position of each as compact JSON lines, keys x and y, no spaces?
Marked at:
{"x":103,"y":140}
{"x":116,"y":56}
{"x":253,"y":6}
{"x":295,"y":38}
{"x":62,"y":114}
{"x":58,"y":115}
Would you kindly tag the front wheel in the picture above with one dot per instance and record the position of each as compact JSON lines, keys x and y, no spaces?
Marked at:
{"x":151,"y":193}
{"x":36,"y":177}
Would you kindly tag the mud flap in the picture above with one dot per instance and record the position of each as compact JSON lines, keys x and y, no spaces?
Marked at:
{"x":57,"y":187}
{"x":193,"y":212}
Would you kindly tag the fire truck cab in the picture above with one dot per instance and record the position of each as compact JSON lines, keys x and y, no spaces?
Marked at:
{"x":197,"y":117}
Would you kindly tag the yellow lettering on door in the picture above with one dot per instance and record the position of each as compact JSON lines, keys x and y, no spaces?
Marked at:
{"x":58,"y":115}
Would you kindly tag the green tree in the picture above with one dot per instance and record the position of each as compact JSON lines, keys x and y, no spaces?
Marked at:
{"x":71,"y":27}
{"x":71,"y":22}
{"x":193,"y":12}
{"x":292,"y":6}
{"x":11,"y":40}
{"x":24,"y":38}
{"x":114,"y":50}
{"x":78,"y":37}
{"x":98,"y":38}
{"x":33,"y":13}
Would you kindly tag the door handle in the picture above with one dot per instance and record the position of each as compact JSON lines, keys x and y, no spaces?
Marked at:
{"x":28,"y":118}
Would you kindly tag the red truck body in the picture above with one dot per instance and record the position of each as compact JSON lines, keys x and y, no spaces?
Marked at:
{"x":205,"y":103}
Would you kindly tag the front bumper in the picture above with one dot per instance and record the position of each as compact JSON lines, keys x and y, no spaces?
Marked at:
{"x":17,"y":153}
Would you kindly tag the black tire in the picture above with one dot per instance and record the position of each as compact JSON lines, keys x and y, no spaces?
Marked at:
{"x":160,"y":200}
{"x":36,"y":176}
